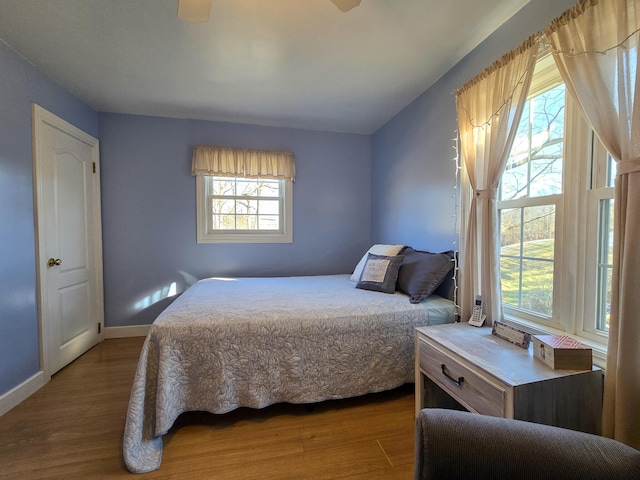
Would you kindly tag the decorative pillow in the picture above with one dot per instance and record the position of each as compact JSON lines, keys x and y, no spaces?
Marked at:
{"x":422,"y":272}
{"x":380,"y":273}
{"x":378,"y":249}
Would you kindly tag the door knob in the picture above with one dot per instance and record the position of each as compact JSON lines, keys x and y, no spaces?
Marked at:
{"x":52,"y":262}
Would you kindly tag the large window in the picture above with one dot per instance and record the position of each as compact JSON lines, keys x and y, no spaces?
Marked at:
{"x":236,"y":210}
{"x":556,"y":217}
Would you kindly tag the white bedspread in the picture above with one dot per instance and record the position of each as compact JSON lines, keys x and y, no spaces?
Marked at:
{"x":252,"y":342}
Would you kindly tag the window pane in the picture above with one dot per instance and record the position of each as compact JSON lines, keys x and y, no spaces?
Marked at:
{"x":546,"y":171}
{"x":547,"y":116}
{"x":515,"y":177}
{"x":605,"y":264}
{"x":245,"y":206}
{"x":511,"y":255}
{"x":511,"y":230}
{"x":526,"y":257}
{"x":611,"y":171}
{"x":223,"y":222}
{"x":268,"y":222}
{"x":269,"y":207}
{"x":219,"y":205}
{"x":522,"y":144}
{"x":247,"y":188}
{"x":246,"y":222}
{"x":510,"y":276}
{"x":534,"y":166}
{"x":269,"y":188}
{"x":537,"y":286}
{"x":539,"y":228}
{"x":223,"y":186}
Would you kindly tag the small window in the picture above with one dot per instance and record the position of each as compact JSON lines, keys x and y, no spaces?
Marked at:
{"x":605,"y":264}
{"x":244,"y":210}
{"x":599,"y":244}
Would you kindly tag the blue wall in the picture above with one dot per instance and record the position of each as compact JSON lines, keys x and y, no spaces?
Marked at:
{"x":20,"y":85}
{"x":413,"y":174}
{"x":393,"y":187}
{"x":149,"y":209}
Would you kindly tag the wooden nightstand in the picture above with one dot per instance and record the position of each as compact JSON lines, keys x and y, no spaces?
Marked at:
{"x":458,"y":365}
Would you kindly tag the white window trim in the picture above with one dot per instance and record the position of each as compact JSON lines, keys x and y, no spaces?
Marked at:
{"x":203,"y":236}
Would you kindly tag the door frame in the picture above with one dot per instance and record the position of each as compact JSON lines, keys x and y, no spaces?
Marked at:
{"x":40,"y":117}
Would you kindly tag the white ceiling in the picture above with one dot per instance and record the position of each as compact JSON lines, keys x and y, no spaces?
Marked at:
{"x":294,"y":63}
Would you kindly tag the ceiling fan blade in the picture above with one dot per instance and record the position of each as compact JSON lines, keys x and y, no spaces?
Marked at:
{"x":194,"y":11}
{"x":346,"y":5}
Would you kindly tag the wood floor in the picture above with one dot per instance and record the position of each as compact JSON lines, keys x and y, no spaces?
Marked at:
{"x":72,"y":429}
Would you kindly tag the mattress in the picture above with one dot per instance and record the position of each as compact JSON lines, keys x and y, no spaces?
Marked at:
{"x":253,"y":342}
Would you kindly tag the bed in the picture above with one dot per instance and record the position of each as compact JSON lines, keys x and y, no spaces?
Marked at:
{"x":252,"y":342}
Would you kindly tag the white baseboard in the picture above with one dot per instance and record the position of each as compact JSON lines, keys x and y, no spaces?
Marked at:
{"x":127,"y":331}
{"x":30,"y":386}
{"x":21,"y":392}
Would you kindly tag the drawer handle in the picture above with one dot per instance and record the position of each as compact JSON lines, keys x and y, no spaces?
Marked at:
{"x":444,"y":372}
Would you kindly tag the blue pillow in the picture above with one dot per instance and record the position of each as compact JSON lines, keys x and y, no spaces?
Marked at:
{"x":422,"y":272}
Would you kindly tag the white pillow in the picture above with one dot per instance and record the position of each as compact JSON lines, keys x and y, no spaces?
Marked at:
{"x":378,"y":249}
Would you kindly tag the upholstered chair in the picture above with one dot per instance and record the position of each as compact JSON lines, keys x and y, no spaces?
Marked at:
{"x":451,"y":444}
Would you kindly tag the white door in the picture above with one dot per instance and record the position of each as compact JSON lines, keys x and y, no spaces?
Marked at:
{"x":69,"y":239}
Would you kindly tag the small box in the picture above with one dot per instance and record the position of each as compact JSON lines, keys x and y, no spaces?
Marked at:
{"x":562,"y":352}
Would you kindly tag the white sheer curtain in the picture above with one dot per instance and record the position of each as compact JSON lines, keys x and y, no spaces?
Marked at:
{"x":489,"y":107}
{"x":595,"y":45}
{"x":242,"y":162}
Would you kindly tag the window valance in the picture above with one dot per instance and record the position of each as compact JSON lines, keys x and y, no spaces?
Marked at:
{"x":242,"y":162}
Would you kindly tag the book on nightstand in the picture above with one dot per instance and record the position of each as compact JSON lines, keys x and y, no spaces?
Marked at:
{"x":562,"y":352}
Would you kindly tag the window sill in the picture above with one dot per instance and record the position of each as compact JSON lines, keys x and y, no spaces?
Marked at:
{"x":246,"y":238}
{"x":599,"y":349}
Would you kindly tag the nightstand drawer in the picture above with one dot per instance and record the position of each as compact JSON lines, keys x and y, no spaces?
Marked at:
{"x":460,"y":382}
